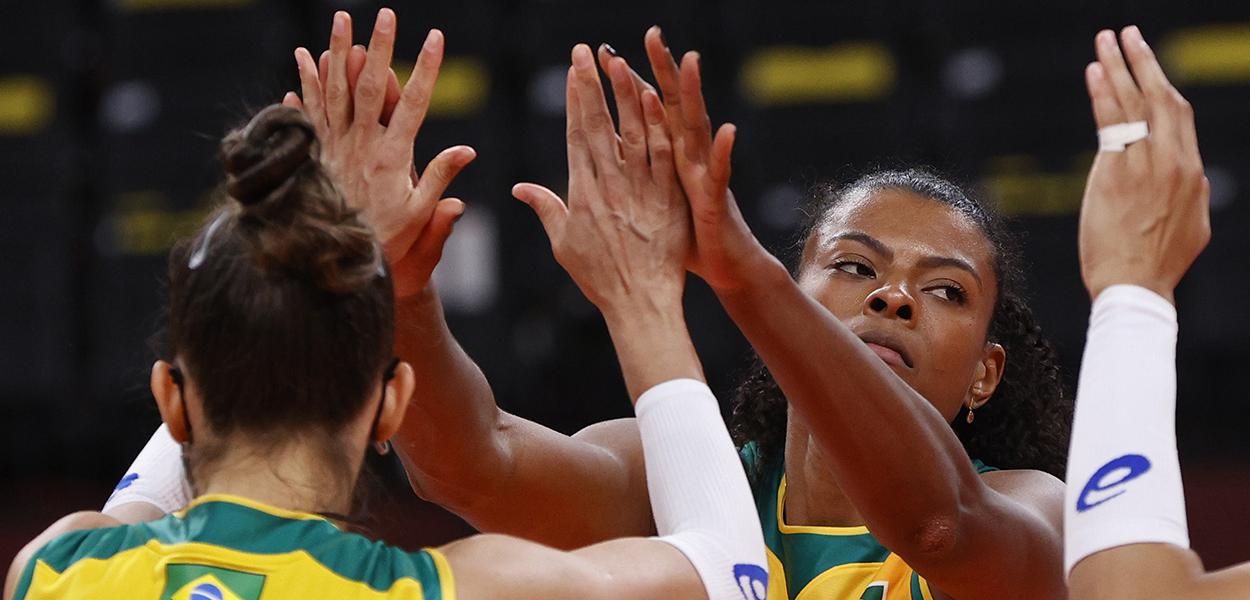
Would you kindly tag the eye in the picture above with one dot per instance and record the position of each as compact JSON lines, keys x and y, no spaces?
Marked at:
{"x":852,"y":267}
{"x":950,"y":293}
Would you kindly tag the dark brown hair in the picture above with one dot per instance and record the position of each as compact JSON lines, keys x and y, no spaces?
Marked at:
{"x":1027,"y":424}
{"x":280,"y":307}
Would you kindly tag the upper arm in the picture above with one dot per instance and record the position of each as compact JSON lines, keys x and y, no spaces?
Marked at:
{"x":74,"y":522}
{"x":1150,"y":571}
{"x":503,"y":568}
{"x":1009,"y":542}
{"x":560,"y":490}
{"x":137,"y":511}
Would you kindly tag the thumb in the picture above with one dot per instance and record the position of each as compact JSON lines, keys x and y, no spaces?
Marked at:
{"x":412,"y":272}
{"x":545,"y":203}
{"x":429,"y":244}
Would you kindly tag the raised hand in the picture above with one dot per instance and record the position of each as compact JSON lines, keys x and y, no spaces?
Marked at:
{"x":726,"y":252}
{"x":624,"y":234}
{"x":372,"y":162}
{"x":1145,"y":216}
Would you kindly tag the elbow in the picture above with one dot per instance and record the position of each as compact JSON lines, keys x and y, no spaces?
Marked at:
{"x":931,"y":539}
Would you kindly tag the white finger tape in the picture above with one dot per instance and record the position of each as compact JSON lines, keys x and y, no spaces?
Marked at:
{"x":1114,"y":138}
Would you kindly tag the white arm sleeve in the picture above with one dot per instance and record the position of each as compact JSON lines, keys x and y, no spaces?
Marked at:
{"x":1124,"y":479}
{"x":156,"y":477}
{"x":699,"y":492}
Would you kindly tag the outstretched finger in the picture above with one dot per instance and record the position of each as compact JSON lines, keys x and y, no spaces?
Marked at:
{"x":633,"y":124}
{"x":696,"y":129}
{"x":414,"y":100}
{"x":442,"y":171}
{"x":310,"y":86}
{"x":1126,"y":91}
{"x":392,"y":97}
{"x":291,"y":100}
{"x":1166,"y":108}
{"x":550,"y":210}
{"x":581,"y":166}
{"x":412,"y":272}
{"x":720,"y":165}
{"x":659,"y":145}
{"x":596,"y":122}
{"x":338,"y":96}
{"x":606,"y":53}
{"x":1102,"y":98}
{"x":664,"y":68}
{"x":371,"y":87}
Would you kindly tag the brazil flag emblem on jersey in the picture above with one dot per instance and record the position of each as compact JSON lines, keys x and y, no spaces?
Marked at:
{"x":202,"y":582}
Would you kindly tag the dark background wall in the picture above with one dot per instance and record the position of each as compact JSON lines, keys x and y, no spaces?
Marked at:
{"x":110,"y":112}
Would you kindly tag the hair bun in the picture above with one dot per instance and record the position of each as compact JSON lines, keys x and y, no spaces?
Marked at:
{"x":261,"y":158}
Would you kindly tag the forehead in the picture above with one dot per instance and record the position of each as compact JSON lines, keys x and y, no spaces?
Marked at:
{"x":912,"y":224}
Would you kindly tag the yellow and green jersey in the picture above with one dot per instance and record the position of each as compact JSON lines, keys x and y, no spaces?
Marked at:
{"x":230,"y":548}
{"x":825,"y":563}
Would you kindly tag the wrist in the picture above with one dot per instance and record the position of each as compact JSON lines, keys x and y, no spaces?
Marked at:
{"x":762,"y":272}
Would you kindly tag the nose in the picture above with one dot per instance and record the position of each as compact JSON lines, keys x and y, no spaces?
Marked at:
{"x":892,"y":302}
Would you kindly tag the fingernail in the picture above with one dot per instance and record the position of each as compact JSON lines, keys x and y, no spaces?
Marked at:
{"x":386,"y":21}
{"x":340,"y":23}
{"x":581,"y":55}
{"x":610,"y":49}
{"x":663,"y":40}
{"x":431,"y":39}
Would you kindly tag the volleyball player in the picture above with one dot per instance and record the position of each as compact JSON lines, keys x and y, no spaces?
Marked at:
{"x":934,"y":315}
{"x":1144,"y":219}
{"x":281,"y":316}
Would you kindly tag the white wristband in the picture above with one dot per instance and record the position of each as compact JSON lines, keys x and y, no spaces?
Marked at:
{"x":156,"y":477}
{"x":1124,"y":479}
{"x":699,"y":492}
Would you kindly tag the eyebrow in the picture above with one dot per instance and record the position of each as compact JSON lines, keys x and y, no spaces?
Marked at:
{"x":928,"y":262}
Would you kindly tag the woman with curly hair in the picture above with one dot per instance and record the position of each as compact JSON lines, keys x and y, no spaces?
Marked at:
{"x":900,"y":355}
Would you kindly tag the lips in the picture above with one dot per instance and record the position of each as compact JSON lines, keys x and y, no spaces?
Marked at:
{"x":888,"y":348}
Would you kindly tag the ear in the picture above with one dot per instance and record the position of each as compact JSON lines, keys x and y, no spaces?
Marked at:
{"x":169,"y":401}
{"x":989,"y":374}
{"x":395,"y":400}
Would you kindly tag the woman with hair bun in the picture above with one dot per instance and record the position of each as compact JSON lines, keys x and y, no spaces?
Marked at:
{"x":281,"y":375}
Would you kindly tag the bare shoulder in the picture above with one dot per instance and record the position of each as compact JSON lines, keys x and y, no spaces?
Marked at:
{"x":1037,"y":490}
{"x":70,"y":523}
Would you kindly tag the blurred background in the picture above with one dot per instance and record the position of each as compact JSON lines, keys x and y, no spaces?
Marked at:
{"x":110,"y":112}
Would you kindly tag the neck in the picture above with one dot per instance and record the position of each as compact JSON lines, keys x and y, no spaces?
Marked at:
{"x":813,"y":497}
{"x":294,"y":476}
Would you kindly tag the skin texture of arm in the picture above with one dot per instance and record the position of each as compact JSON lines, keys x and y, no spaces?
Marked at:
{"x":504,"y":568}
{"x":500,"y":472}
{"x":1155,"y":571}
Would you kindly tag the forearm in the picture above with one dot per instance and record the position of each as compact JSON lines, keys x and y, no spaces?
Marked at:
{"x":450,"y":441}
{"x":652,"y":342}
{"x":841,"y":389}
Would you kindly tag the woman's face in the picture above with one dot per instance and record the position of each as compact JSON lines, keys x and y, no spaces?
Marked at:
{"x":915,"y":280}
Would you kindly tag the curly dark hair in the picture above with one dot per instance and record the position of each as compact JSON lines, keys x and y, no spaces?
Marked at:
{"x":1028,"y":423}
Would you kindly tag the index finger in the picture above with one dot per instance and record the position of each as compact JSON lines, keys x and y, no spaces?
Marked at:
{"x":596,"y":120}
{"x":414,"y":100}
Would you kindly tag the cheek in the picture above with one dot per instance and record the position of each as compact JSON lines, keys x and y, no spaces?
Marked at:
{"x":843,"y":299}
